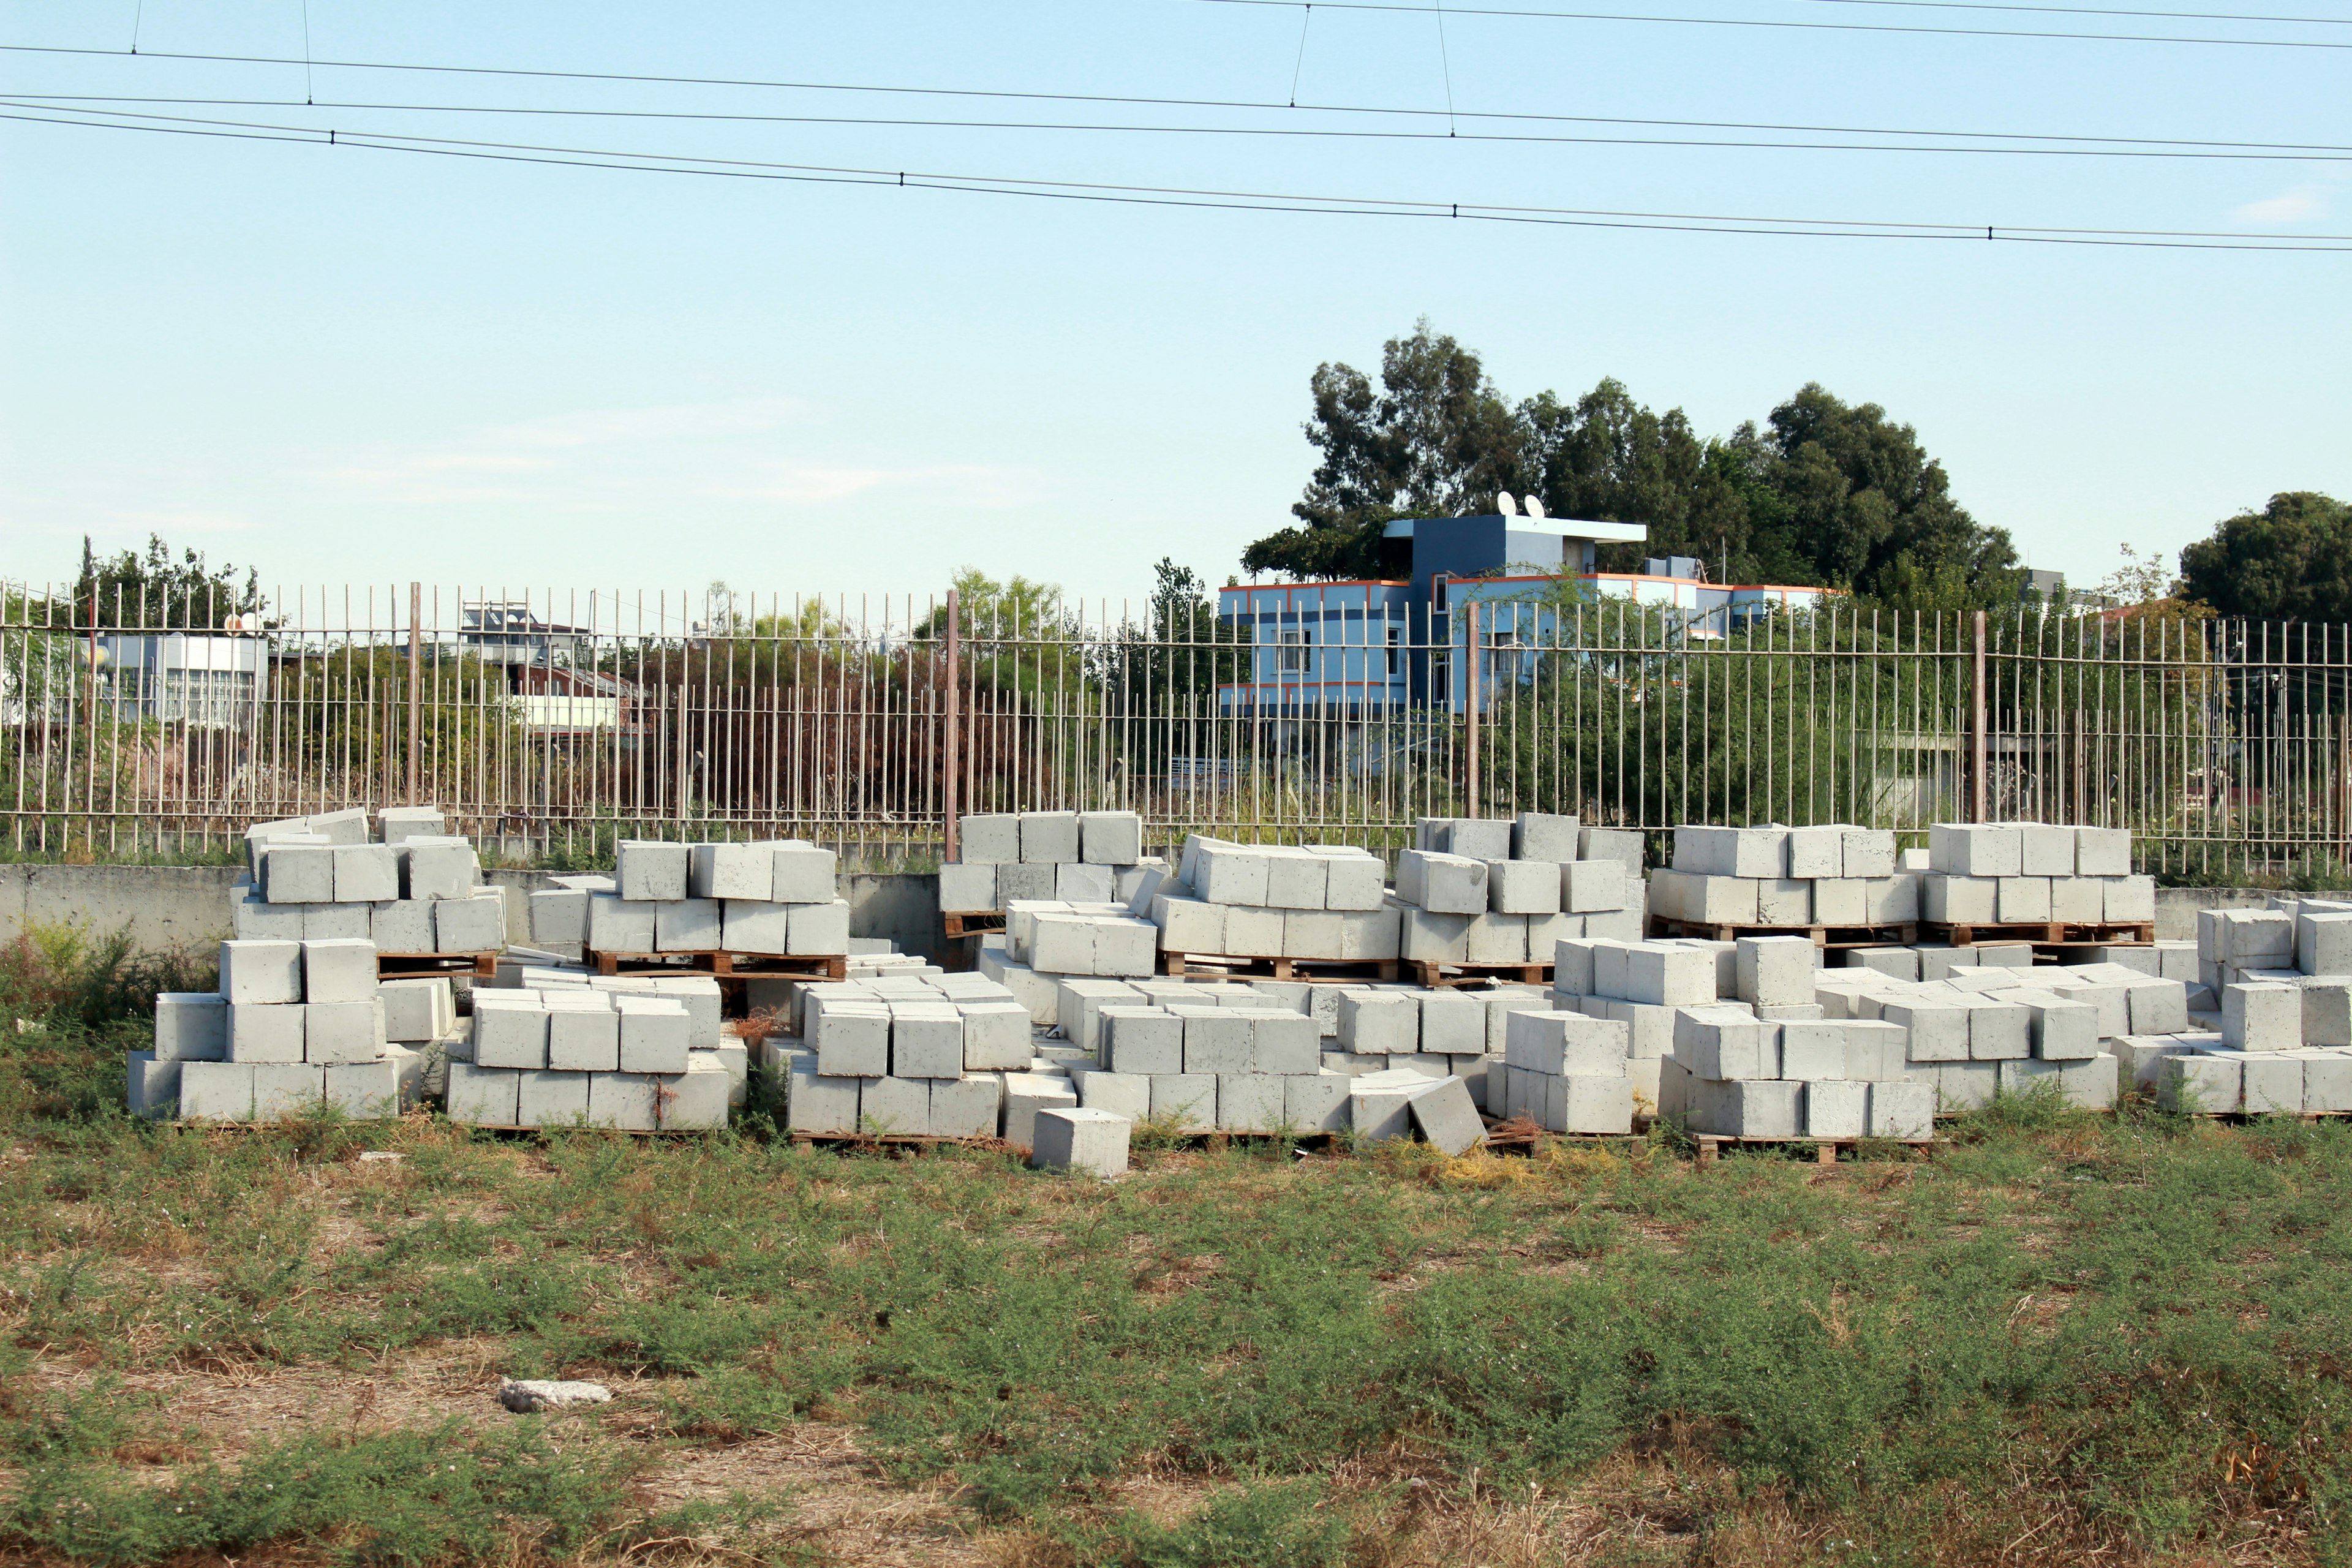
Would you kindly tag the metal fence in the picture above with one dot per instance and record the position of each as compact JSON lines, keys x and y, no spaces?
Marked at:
{"x":551,"y":725}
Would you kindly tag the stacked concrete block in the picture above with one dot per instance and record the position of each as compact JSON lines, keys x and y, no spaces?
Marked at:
{"x":1475,"y":892}
{"x":1835,"y":874}
{"x":639,"y":1053}
{"x":1085,"y":856}
{"x":296,"y":1028}
{"x":2032,"y":872}
{"x":320,"y":878}
{"x":768,"y":897}
{"x":1323,"y":901}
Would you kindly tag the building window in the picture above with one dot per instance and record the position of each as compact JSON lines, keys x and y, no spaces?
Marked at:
{"x":1293,"y":657}
{"x":1396,"y":651}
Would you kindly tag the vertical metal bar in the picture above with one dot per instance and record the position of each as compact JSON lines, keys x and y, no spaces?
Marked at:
{"x":1977,"y":726}
{"x":1470,"y":707}
{"x":415,"y":694}
{"x":950,"y":751}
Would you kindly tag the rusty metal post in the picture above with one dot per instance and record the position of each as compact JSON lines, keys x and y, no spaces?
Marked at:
{"x":950,"y":746}
{"x":415,"y":694}
{"x":1977,"y":794}
{"x":1470,"y":703}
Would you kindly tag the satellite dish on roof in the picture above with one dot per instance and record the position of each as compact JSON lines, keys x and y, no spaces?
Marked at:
{"x":1505,"y":504}
{"x":1535,"y":506}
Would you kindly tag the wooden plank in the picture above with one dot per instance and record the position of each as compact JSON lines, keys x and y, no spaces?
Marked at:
{"x":482,"y":965}
{"x":1446,"y":976}
{"x":722,"y":965}
{"x":971,"y":922}
{"x":1223,"y":966}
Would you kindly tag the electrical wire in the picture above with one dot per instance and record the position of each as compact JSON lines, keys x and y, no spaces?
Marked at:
{"x":1397,"y":7}
{"x":2098,"y":11}
{"x":1123,"y":100}
{"x":2318,"y":154}
{"x":1180,"y":196}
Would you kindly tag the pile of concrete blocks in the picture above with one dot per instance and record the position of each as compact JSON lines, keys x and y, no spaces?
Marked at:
{"x":296,"y":1028}
{"x":1319,"y":901}
{"x":1767,"y":1061}
{"x":558,"y":911}
{"x":1989,"y":873}
{"x":1488,"y":891}
{"x":1076,"y":856}
{"x":773,"y":897}
{"x":419,"y":890}
{"x":1830,"y":875}
{"x":1985,"y":1019}
{"x":1046,"y":939}
{"x":917,"y":1053}
{"x":1565,"y":1072}
{"x":2283,"y":1037}
{"x":564,"y":1048}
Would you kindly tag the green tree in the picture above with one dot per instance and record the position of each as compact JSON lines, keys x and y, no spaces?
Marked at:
{"x":2292,"y":560}
{"x":1437,"y":440}
{"x":153,"y":590}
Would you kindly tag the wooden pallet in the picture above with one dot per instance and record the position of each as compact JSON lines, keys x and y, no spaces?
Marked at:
{"x":1215,"y":966}
{"x":1445,"y":976}
{"x":723,"y":966}
{"x":971,"y":922}
{"x":901,"y":1140}
{"x":1901,"y":933}
{"x":2042,"y":933}
{"x":1825,"y":1149}
{"x":482,"y":965}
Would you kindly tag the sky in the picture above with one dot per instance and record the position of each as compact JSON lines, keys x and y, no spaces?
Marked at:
{"x":348,"y":366}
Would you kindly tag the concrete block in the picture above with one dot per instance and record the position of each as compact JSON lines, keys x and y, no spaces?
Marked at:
{"x":1379,"y":1023}
{"x":966,"y":887}
{"x":348,"y":826}
{"x":2023,"y":898}
{"x":1623,"y":844}
{"x":1049,"y":838}
{"x":648,"y":870}
{"x":1959,"y":900}
{"x":1721,"y":900}
{"x":2077,"y":901}
{"x":397,"y":824}
{"x":1189,"y":1100}
{"x":1964,"y":1086}
{"x":1249,"y":1102}
{"x":969,"y":1106}
{"x":2102,"y":852}
{"x":1091,"y":1141}
{"x":1670,"y":976}
{"x":475,"y":924}
{"x":337,"y":1033}
{"x":620,"y":925}
{"x":1784,"y":901}
{"x":1110,"y":837}
{"x":895,"y":1105}
{"x":802,"y":873}
{"x":1836,"y":1110}
{"x":1901,"y":1110}
{"x":1746,"y":1108}
{"x":1652,"y":1026}
{"x":1523,"y":887}
{"x":1218,"y":1041}
{"x":1316,"y":1102}
{"x":1939,"y":1031}
{"x":253,"y":920}
{"x":1977,"y":849}
{"x":1453,"y":1023}
{"x":1839,"y":901}
{"x":265,"y":1032}
{"x":2131,"y":899}
{"x":1495,"y":939}
{"x":256,"y":972}
{"x":152,"y":1086}
{"x":1502,"y":1006}
{"x":926,"y":1041}
{"x":1124,"y":1094}
{"x":732,"y":871}
{"x":1572,"y":966}
{"x":2200,"y":1084}
{"x":750,"y":925}
{"x":1285,"y":1042}
{"x":995,"y":1037}
{"x":509,"y":1034}
{"x":1027,"y":1094}
{"x":216,"y":1091}
{"x":1999,"y":1031}
{"x":820,"y":1103}
{"x":1432,"y":938}
{"x":1079,"y":1004}
{"x":364,"y":873}
{"x":1722,"y":1043}
{"x":1447,"y":1118}
{"x":438,"y":870}
{"x":1567,"y":1044}
{"x":2159,"y":1007}
{"x":2326,"y":1081}
{"x":2059,"y":1028}
{"x":1816,"y":852}
{"x":1588,"y":1103}
{"x":690,"y":925}
{"x":2044,"y":850}
{"x":2271,"y":1082}
{"x":1295,"y":879}
{"x":339,"y":970}
{"x":1591,"y":887}
{"x":339,"y":922}
{"x":1536,"y":835}
{"x":989,"y":841}
{"x":2262,"y":1017}
{"x":627,"y":1100}
{"x":191,"y":1027}
{"x":1380,"y":1105}
{"x":1016,"y":881}
{"x":1810,"y":1050}
{"x":1075,"y":881}
{"x":1892,"y":901}
{"x":1896,"y":962}
{"x":1451,"y":884}
{"x":1353,"y":881}
{"x":2327,"y":1011}
{"x":1866,"y":853}
{"x":483,"y":1096}
{"x":297,"y":874}
{"x":1036,"y":991}
{"x":546,"y":1098}
{"x":582,"y":1040}
{"x":285,"y":1090}
{"x":1774,"y":971}
{"x":655,"y":1034}
{"x":818,"y":930}
{"x":1189,"y":925}
{"x":1476,"y":837}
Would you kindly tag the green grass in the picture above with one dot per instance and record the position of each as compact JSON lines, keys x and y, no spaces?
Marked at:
{"x":2129,"y":1332}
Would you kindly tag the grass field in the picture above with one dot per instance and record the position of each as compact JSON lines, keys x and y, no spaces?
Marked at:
{"x":2060,"y":1339}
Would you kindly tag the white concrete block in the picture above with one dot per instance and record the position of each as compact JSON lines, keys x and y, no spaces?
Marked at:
{"x":1669,"y":977}
{"x":254,"y":972}
{"x":1317,"y":1102}
{"x":337,"y":1032}
{"x":620,"y":925}
{"x":2023,"y":898}
{"x":2326,"y":1081}
{"x":1017,"y":881}
{"x":1496,"y":939}
{"x":1189,"y":925}
{"x":281,"y":1090}
{"x":655,"y":1034}
{"x":2077,"y":901}
{"x":253,"y":920}
{"x":749,"y":925}
{"x":627,"y":1100}
{"x":1523,"y":887}
{"x":926,"y":1041}
{"x":265,"y":1032}
{"x":1449,"y":884}
{"x":1092,"y":1141}
{"x":580,"y":1039}
{"x":1774,"y":971}
{"x":152,"y":1086}
{"x":1432,"y":938}
{"x":1453,"y":1023}
{"x":1999,"y":1030}
{"x":967,"y":888}
{"x":2159,"y":1007}
{"x":1285,"y":1042}
{"x":475,"y":924}
{"x":364,"y":873}
{"x":483,"y":1096}
{"x":297,"y":874}
{"x":1379,"y":1023}
{"x":802,"y":873}
{"x":1901,"y":1111}
{"x":1866,"y":853}
{"x":216,"y":1091}
{"x":1110,"y":837}
{"x":1217,"y":1041}
{"x":1977,"y":849}
{"x":820,"y":1103}
{"x":2102,"y":852}
{"x":2269,"y":1082}
{"x":191,"y":1027}
{"x":995,"y":1037}
{"x":1592,"y":886}
{"x":2131,"y":899}
{"x":969,"y":1106}
{"x":1249,"y":1102}
{"x":895,"y":1105}
{"x":397,"y":824}
{"x":2060,"y":1028}
{"x":1077,"y":881}
{"x":547,"y":1098}
{"x":1189,"y":1100}
{"x":1123,"y":1094}
{"x":2199,"y":1084}
{"x":2044,"y":850}
{"x":1295,"y":879}
{"x":1623,"y":844}
{"x":1939,"y":1030}
{"x":1717,"y":1042}
{"x":508,"y":1033}
{"x":1536,"y":835}
{"x":1959,"y":900}
{"x":438,"y":869}
{"x":1722,"y":900}
{"x":1836,"y":1110}
{"x":1353,"y":882}
{"x":1746,"y":1108}
{"x":1447,"y":1118}
{"x":732,"y":871}
{"x":1893,"y":900}
{"x":819,"y":931}
{"x":648,"y":870}
{"x":2262,"y":1017}
{"x":690,"y":925}
{"x":1027,"y":1094}
{"x":1817,"y":852}
{"x":339,"y":970}
{"x":1049,"y":838}
{"x":989,"y":841}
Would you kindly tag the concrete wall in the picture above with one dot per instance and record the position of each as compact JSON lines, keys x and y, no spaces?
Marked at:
{"x":187,"y":906}
{"x":182,"y":906}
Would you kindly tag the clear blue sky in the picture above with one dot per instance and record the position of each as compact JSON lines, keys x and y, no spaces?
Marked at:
{"x":349,"y":365}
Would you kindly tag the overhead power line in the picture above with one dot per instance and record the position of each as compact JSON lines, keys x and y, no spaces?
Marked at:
{"x":1133,"y":100}
{"x":1174,"y":197}
{"x":2097,"y":11}
{"x":1980,"y":143}
{"x":1396,"y":7}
